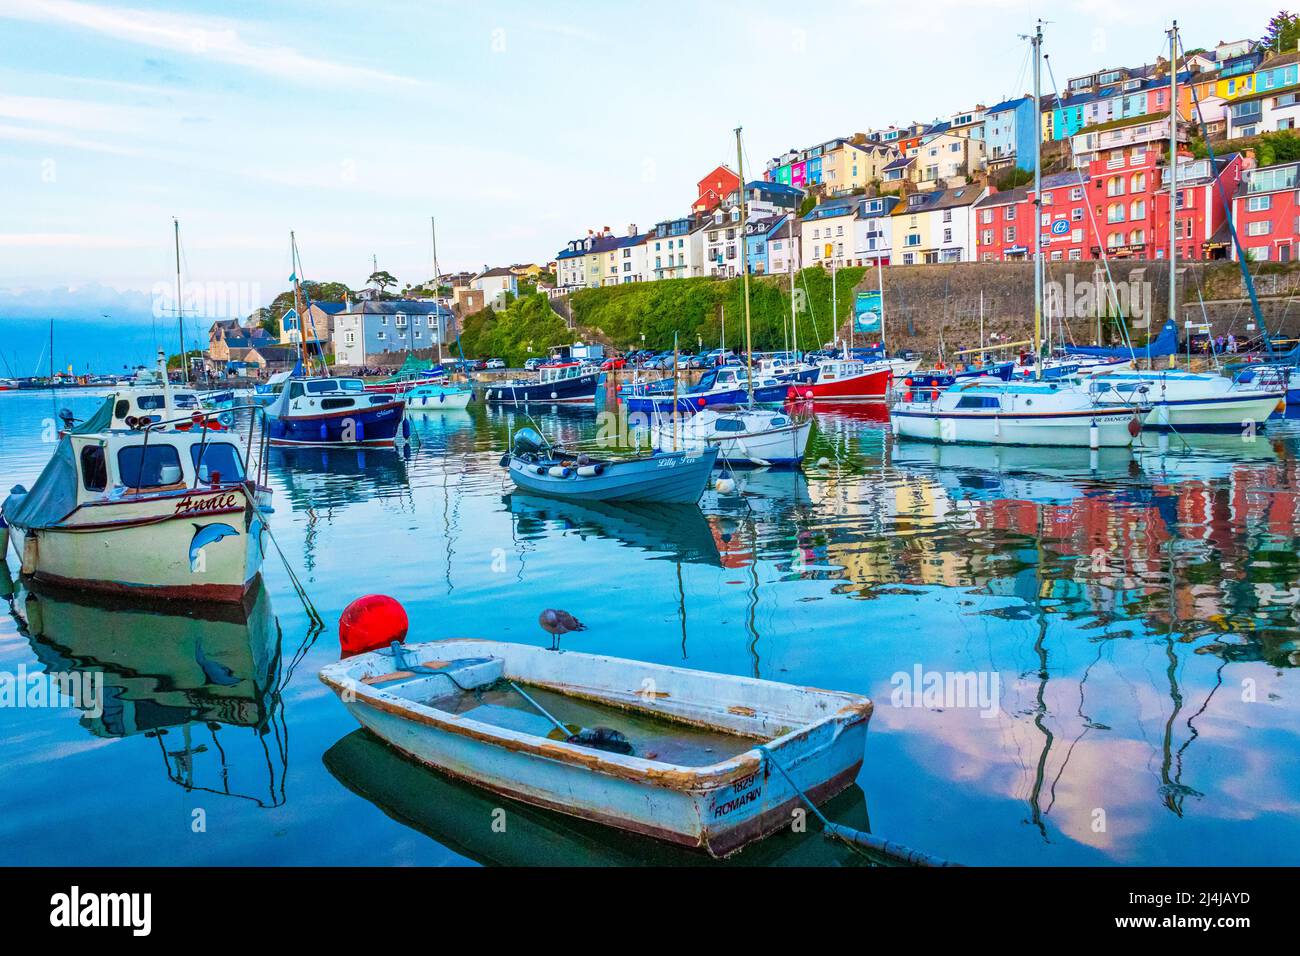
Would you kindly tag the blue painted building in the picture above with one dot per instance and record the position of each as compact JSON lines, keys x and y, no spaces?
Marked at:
{"x":1010,"y":132}
{"x":758,"y":232}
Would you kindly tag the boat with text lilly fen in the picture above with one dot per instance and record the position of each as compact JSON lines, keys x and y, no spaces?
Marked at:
{"x":569,"y":383}
{"x":334,"y":412}
{"x":150,"y":512}
{"x":668,"y":477}
{"x":690,"y":764}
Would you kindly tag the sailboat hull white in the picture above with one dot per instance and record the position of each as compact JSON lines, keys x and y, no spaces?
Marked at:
{"x":1073,"y":429}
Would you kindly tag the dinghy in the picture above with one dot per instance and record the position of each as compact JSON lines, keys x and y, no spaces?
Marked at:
{"x":709,"y":753}
{"x":668,"y":477}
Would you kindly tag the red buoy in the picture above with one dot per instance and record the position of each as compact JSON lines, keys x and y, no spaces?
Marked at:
{"x":371,"y":622}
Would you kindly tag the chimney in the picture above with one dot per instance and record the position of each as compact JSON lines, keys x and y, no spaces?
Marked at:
{"x":631,"y":229}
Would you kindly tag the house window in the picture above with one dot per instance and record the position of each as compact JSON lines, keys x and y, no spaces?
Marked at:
{"x":1009,"y":213}
{"x":1076,"y":254}
{"x":380,"y":334}
{"x":1047,"y":199}
{"x":1076,"y":215}
{"x":1258,"y":203}
{"x":1138,"y":209}
{"x":1076,"y":193}
{"x":1260,"y":228}
{"x":1009,"y":234}
{"x":986,"y":215}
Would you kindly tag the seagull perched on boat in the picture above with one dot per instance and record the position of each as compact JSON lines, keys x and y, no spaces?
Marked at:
{"x":556,"y":623}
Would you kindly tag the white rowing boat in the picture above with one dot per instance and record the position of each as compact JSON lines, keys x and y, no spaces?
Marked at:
{"x":696,"y":775}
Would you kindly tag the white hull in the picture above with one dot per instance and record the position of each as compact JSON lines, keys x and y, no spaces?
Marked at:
{"x":783,"y":445}
{"x":441,"y":402}
{"x":1112,"y":429}
{"x":818,"y":736}
{"x":152,"y":547}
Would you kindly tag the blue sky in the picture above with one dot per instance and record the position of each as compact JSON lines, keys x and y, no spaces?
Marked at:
{"x":519,"y":125}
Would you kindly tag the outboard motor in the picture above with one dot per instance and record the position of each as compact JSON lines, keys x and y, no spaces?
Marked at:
{"x":528,"y":442}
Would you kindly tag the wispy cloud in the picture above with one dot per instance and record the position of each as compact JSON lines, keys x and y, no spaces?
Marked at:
{"x":199,"y":37}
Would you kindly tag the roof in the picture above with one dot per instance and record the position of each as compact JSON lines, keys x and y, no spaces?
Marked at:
{"x":900,"y":163}
{"x":498,"y":271}
{"x":775,"y":187}
{"x":394,"y":306}
{"x":936,"y":199}
{"x":1009,"y":105}
{"x":276,"y":353}
{"x":832,"y":208}
{"x":765,"y":226}
{"x":1123,"y":123}
{"x":1022,"y":193}
{"x":330,"y":308}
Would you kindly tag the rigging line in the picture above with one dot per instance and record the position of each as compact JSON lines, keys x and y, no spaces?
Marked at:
{"x":1112,"y":295}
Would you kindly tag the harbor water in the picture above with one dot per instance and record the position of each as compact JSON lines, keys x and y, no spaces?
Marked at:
{"x":1076,"y":658}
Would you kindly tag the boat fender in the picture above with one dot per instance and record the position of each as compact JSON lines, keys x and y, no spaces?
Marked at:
{"x":590,"y":471}
{"x":505,"y":460}
{"x":559,"y":471}
{"x":539,"y":469}
{"x":406,"y":428}
{"x":371,"y":622}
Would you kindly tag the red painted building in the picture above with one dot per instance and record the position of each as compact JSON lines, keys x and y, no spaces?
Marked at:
{"x":1118,"y":207}
{"x":1004,"y":222}
{"x":1201,"y":231}
{"x":1266,"y":211}
{"x":714,"y":188}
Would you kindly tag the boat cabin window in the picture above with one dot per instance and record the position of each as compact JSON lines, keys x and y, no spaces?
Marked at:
{"x":295,"y":390}
{"x":151,"y":402}
{"x":729,"y":425}
{"x":217,"y":458}
{"x":121,"y":408}
{"x":328,"y":403}
{"x":151,"y":466}
{"x":978,"y":401}
{"x":185,"y":400}
{"x":94,"y":468}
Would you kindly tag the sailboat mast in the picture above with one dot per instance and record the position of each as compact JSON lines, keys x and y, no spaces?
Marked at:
{"x":1037,"y":41}
{"x":297,"y":306}
{"x":180,"y":303}
{"x":744,"y":265}
{"x":880,"y":284}
{"x":437,"y":286}
{"x":1173,"y":170}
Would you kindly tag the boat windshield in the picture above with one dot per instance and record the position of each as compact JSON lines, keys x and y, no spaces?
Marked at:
{"x":151,"y":466}
{"x":217,"y":459}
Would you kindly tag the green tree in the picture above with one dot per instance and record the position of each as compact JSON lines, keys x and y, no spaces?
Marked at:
{"x":1283,"y":32}
{"x":381,"y":278}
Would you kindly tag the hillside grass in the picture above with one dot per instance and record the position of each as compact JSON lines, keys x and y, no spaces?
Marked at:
{"x":694,"y":309}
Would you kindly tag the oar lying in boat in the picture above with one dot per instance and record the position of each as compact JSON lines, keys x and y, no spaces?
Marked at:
{"x":601,"y":738}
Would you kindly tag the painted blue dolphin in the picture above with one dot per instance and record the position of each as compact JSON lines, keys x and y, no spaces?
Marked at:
{"x":204,"y":535}
{"x":215,"y":671}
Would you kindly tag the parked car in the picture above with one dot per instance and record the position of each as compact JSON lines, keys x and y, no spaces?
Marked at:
{"x":612,"y":363}
{"x":533,"y":364}
{"x":496,"y":363}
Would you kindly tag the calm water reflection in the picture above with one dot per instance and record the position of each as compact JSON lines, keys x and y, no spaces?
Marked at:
{"x":1138,"y":609}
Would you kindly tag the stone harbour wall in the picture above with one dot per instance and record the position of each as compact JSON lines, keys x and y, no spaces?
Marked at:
{"x":926,"y":304}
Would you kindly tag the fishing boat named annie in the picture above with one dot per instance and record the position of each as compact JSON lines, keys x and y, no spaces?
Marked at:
{"x":148,"y":512}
